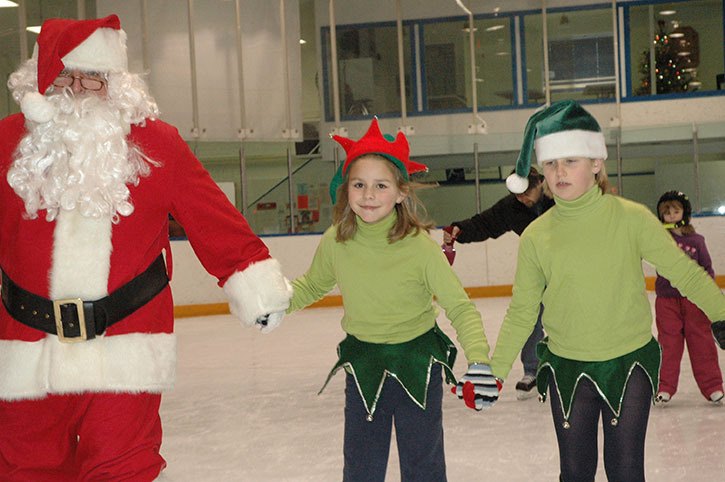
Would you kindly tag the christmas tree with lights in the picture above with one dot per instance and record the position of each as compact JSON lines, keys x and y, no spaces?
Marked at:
{"x":673,"y":65}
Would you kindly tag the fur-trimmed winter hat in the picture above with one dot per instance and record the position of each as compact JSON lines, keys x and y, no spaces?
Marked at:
{"x":97,"y":45}
{"x":564,"y":129}
{"x":374,"y":142}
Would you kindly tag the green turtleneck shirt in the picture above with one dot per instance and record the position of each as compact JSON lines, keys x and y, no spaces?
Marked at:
{"x":583,"y":260}
{"x":388,"y":288}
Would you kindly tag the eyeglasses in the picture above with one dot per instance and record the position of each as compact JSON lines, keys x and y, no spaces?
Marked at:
{"x":88,"y":83}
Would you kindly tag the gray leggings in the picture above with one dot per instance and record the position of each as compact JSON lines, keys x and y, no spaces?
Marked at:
{"x":623,"y":442}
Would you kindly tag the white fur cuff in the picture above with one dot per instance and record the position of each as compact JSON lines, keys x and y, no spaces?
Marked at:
{"x":259,"y":290}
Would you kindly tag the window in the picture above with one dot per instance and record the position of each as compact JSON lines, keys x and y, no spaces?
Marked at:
{"x":581,"y":55}
{"x":673,"y":36}
{"x":368,"y":76}
{"x":447,"y":64}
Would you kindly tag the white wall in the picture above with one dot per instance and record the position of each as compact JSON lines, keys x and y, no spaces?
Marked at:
{"x":215,"y":38}
{"x":640,"y":121}
{"x":479,"y":264}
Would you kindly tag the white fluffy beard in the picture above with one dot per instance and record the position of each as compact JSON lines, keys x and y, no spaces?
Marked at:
{"x":80,"y":160}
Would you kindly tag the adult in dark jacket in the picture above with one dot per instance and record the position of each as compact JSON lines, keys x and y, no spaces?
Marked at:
{"x":513,"y":212}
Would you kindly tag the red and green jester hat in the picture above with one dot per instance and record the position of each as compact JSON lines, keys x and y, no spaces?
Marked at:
{"x":375,"y":142}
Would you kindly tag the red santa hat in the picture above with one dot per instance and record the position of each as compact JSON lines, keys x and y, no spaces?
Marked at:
{"x":96,"y":45}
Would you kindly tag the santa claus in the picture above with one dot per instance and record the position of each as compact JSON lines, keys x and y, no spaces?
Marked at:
{"x":86,"y":324}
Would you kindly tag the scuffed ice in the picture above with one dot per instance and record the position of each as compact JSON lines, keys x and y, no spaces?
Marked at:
{"x":245,"y":408}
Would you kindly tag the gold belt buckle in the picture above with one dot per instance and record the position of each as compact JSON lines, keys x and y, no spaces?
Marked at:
{"x":59,"y":321}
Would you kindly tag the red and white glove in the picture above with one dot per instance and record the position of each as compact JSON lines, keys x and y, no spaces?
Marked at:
{"x":478,"y":388}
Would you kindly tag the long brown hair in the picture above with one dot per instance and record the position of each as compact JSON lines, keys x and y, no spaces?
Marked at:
{"x":412,"y":215}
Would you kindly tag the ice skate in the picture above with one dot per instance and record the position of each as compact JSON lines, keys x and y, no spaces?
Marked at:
{"x":662,"y":398}
{"x":525,"y":387}
{"x":716,"y":398}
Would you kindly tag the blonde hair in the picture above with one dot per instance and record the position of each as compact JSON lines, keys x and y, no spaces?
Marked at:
{"x":664,"y":206}
{"x":601,"y":179}
{"x":412,"y":215}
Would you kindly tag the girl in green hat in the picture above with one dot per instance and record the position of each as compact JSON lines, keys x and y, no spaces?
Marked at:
{"x":583,"y":260}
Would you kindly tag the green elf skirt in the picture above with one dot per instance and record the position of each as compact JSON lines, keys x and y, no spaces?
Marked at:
{"x":609,"y":377}
{"x":409,"y":363}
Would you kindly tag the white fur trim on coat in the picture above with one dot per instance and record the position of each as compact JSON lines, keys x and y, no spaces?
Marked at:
{"x":257,"y":291}
{"x":103,"y":51}
{"x":571,"y":143}
{"x":81,"y":256}
{"x":123,"y":363}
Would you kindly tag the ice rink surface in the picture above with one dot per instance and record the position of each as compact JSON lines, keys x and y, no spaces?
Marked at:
{"x":245,"y":408}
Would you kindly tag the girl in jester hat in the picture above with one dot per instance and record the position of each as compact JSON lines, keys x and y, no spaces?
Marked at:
{"x":388,"y":270}
{"x":583,"y":260}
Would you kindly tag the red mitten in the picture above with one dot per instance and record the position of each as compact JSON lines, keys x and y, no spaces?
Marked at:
{"x":448,"y":249}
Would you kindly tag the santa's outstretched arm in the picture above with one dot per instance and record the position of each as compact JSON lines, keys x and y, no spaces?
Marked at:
{"x":257,"y":290}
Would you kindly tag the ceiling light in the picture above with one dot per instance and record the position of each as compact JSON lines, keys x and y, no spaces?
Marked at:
{"x":303,"y":41}
{"x":468,"y":30}
{"x":683,"y":54}
{"x":677,"y":35}
{"x":668,"y":12}
{"x":7,"y":4}
{"x":33,"y":28}
{"x":721,"y":210}
{"x":494,"y":28}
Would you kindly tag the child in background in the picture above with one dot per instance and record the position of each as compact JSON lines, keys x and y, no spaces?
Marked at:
{"x":583,"y":260}
{"x":388,"y":269}
{"x":678,"y":319}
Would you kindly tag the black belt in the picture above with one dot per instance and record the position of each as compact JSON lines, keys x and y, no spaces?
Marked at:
{"x":73,"y":319}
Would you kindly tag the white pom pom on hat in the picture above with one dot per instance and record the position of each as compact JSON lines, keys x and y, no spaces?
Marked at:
{"x":36,"y":108}
{"x":517,"y":184}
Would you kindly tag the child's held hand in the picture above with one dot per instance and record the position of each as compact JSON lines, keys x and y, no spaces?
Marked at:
{"x":478,"y":387}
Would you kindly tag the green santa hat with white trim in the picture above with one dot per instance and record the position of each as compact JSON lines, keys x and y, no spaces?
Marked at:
{"x":563,"y":130}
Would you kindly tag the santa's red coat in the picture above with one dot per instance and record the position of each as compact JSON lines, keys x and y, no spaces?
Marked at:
{"x":74,"y":256}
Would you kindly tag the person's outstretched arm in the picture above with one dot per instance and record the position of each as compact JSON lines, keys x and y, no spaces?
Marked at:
{"x":493,"y":222}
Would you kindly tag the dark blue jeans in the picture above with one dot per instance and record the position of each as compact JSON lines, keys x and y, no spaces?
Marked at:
{"x":528,"y":352}
{"x":418,"y":432}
